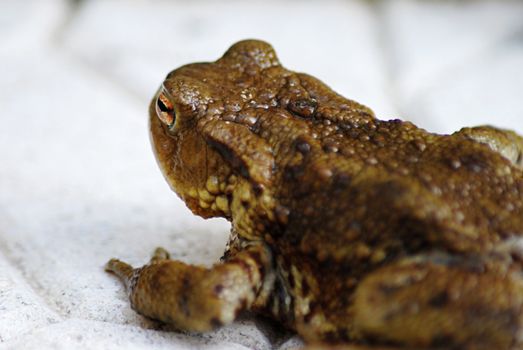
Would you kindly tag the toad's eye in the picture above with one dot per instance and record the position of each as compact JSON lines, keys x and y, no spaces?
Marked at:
{"x":165,"y":110}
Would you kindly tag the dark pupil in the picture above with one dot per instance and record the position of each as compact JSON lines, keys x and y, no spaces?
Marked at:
{"x":162,"y":106}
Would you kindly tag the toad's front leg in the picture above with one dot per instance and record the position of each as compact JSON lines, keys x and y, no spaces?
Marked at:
{"x":194,"y":297}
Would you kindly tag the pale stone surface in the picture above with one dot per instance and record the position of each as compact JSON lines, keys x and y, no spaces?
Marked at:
{"x":455,"y":63}
{"x":79,"y":184}
{"x":148,"y":41}
{"x":83,"y":334}
{"x":21,"y":309}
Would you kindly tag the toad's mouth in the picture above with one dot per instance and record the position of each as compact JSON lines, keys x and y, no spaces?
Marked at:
{"x":206,"y":203}
{"x":214,"y":197}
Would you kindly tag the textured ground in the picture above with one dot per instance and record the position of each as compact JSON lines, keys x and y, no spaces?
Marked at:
{"x":78,"y":182}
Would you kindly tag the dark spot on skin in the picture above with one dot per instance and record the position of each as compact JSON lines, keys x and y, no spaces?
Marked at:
{"x":312,"y":308}
{"x":343,"y":334}
{"x":439,"y":300}
{"x":473,"y":162}
{"x":505,"y":319}
{"x":255,"y":255}
{"x":308,"y":317}
{"x":342,"y":181}
{"x":215,"y":322}
{"x":257,"y":189}
{"x":442,"y":340}
{"x":390,"y":315}
{"x":302,"y":146}
{"x":261,"y":268}
{"x":305,"y":287}
{"x":218,"y":289}
{"x":392,"y":189}
{"x":184,"y":297}
{"x":354,"y":133}
{"x":389,"y":290}
{"x":236,"y":163}
{"x":270,"y":302}
{"x":516,"y":256}
{"x":240,"y":308}
{"x":237,"y":312}
{"x":245,"y":204}
{"x":304,"y":107}
{"x":292,"y":282}
{"x":293,"y":172}
{"x":331,"y":337}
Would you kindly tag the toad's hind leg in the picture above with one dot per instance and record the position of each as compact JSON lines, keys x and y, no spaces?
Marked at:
{"x":194,"y":297}
{"x":506,"y":142}
{"x":441,"y":301}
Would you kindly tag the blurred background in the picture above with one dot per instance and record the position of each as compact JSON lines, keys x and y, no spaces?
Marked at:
{"x":79,"y":184}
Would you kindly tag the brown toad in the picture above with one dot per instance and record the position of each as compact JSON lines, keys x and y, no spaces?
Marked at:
{"x":345,"y":228}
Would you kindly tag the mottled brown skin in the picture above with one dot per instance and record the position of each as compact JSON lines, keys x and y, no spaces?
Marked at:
{"x":349,"y":229}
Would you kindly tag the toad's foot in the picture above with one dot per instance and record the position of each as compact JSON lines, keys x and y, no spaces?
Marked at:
{"x":194,"y":297}
{"x":443,"y":301}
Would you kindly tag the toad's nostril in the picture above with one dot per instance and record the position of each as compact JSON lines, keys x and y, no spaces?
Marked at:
{"x":165,"y":110}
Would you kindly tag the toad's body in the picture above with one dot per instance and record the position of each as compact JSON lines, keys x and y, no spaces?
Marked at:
{"x":344,"y":227}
